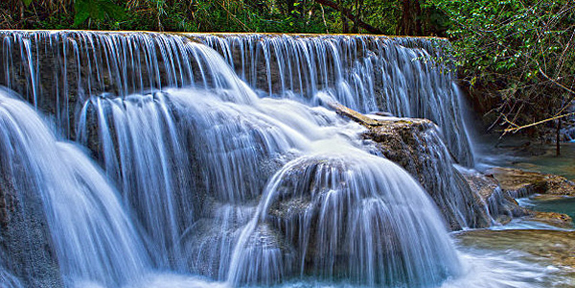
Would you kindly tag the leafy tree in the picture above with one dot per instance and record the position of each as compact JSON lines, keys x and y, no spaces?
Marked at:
{"x":98,"y":10}
{"x":519,"y":53}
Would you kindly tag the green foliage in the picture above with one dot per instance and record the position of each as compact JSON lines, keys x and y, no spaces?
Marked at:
{"x":287,"y":16}
{"x":499,"y":36}
{"x":523,"y":48}
{"x":96,"y":10}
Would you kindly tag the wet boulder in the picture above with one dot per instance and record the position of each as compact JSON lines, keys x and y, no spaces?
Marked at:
{"x":501,"y":206}
{"x":417,"y":146}
{"x":356,"y":215}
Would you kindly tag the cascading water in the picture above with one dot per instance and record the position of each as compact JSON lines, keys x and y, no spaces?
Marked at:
{"x":93,"y":237}
{"x":241,"y":145}
{"x":7,"y":279}
{"x":295,"y":131}
{"x":218,"y":179}
{"x":141,"y":151}
{"x":348,"y":215}
{"x":365,"y":73}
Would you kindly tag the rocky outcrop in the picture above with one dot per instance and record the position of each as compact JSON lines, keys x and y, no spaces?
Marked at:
{"x":417,"y":146}
{"x":500,"y":205}
{"x":519,"y":183}
{"x":483,"y":198}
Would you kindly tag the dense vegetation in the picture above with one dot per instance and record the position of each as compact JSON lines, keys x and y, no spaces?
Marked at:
{"x":313,"y":16}
{"x":516,"y":57}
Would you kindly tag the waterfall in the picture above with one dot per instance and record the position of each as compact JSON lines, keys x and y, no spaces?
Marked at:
{"x":140,"y":149}
{"x":8,"y":280}
{"x":366,"y":73}
{"x":220,"y":159}
{"x":349,"y":215}
{"x":93,"y":237}
{"x":360,"y":196}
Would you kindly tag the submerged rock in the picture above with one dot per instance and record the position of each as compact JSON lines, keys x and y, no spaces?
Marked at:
{"x":544,"y":246}
{"x":552,"y":218}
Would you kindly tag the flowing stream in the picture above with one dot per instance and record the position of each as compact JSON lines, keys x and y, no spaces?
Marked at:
{"x":195,"y":160}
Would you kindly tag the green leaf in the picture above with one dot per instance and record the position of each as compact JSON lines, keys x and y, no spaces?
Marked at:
{"x":27,"y":2}
{"x":82,"y":8}
{"x":112,"y":10}
{"x":97,"y":10}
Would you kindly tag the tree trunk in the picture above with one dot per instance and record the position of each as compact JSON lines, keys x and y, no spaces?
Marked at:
{"x":417,"y":16}
{"x":349,"y":15}
{"x":410,"y":23}
{"x":558,"y":140}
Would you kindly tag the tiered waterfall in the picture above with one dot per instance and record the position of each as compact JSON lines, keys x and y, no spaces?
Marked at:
{"x":217,"y":156}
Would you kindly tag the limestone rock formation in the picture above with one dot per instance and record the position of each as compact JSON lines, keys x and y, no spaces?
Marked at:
{"x":521,"y":183}
{"x":501,"y":206}
{"x":417,"y":146}
{"x":484,"y":198}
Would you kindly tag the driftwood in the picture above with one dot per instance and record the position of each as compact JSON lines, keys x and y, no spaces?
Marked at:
{"x":354,"y":115}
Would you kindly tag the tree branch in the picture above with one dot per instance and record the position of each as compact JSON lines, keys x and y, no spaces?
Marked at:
{"x":516,"y":128}
{"x":555,"y":82}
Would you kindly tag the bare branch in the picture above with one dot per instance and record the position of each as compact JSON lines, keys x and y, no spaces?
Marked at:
{"x":516,"y":128}
{"x":555,"y":82}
